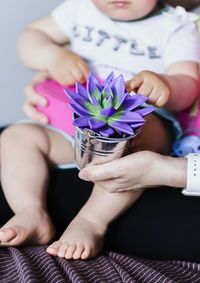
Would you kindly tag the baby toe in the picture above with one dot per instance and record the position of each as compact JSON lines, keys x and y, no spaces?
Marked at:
{"x":7,"y":234}
{"x":78,"y":251}
{"x":53,"y":248}
{"x":86,"y":253}
{"x":70,"y":251}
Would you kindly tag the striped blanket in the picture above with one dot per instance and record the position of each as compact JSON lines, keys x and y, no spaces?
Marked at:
{"x":33,"y":264}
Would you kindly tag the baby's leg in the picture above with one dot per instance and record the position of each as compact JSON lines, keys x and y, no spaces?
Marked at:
{"x":26,"y":151}
{"x":83,"y":238}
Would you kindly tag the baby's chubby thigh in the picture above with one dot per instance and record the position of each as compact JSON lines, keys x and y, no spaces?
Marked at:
{"x":55,"y":147}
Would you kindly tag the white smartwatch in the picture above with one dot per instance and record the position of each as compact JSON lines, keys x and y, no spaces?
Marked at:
{"x":193,"y":175}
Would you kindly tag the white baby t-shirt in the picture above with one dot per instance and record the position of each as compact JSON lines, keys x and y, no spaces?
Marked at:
{"x":152,"y":43}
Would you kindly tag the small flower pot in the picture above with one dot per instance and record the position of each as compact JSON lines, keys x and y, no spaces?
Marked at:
{"x":91,"y":148}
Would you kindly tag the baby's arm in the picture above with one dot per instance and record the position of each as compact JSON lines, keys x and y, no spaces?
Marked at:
{"x":184,"y":84}
{"x":42,"y":47}
{"x":175,"y":90}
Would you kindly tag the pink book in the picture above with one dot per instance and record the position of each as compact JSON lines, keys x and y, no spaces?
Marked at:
{"x":57,"y":110}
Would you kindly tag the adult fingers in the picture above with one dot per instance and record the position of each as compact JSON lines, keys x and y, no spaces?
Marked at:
{"x":32,"y":113}
{"x":100,"y":172}
{"x":111,"y":185}
{"x":33,"y":97}
{"x":115,"y":185}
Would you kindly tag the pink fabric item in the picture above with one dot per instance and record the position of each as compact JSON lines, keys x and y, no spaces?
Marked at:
{"x":57,"y":111}
{"x":190,"y":119}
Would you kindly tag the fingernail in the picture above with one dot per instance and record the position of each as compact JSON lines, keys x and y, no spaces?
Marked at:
{"x":42,"y":102}
{"x":83,"y":175}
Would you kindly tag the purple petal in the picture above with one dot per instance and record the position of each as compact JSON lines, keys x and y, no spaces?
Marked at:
{"x":106,"y":132}
{"x":145,"y":111}
{"x":76,"y":110}
{"x":75,"y":97}
{"x":107,"y":92}
{"x":109,"y":78}
{"x":137,"y":125}
{"x":94,"y":81}
{"x":94,"y":101}
{"x":81,"y":90}
{"x":79,"y":103}
{"x":95,"y":124}
{"x":81,"y":122}
{"x":119,"y":91}
{"x":69,"y":93}
{"x":93,"y":91}
{"x":118,"y":85}
{"x":134,"y":101}
{"x":107,"y":102}
{"x":107,"y":112}
{"x":123,"y":127}
{"x":127,"y":117}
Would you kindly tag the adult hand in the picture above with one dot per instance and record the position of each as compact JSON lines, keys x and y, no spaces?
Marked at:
{"x":144,"y":169}
{"x":66,"y":67}
{"x":33,"y":99}
{"x":151,"y":85}
{"x":130,"y":172}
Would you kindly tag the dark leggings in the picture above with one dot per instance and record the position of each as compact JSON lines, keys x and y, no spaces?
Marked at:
{"x":163,"y":224}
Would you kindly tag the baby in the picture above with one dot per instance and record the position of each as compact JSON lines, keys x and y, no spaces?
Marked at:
{"x":155,"y":47}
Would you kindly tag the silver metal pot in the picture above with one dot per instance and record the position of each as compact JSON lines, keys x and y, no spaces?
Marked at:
{"x":91,"y":148}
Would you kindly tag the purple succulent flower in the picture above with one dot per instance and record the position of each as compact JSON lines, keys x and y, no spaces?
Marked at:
{"x":107,"y":108}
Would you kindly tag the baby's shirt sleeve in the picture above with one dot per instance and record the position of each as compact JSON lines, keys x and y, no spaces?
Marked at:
{"x":183,"y":44}
{"x":64,"y":16}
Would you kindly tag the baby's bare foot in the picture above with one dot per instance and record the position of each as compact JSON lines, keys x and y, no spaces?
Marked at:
{"x":82,"y":239}
{"x":27,"y":227}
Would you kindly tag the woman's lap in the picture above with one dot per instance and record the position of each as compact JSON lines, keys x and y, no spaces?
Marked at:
{"x":162,"y":225}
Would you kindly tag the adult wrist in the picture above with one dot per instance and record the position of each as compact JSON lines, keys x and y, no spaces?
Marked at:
{"x":172,"y":171}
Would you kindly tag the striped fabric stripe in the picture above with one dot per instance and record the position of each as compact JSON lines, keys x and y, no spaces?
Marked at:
{"x":33,"y":264}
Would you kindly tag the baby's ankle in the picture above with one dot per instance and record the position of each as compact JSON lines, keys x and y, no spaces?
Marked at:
{"x":100,"y":225}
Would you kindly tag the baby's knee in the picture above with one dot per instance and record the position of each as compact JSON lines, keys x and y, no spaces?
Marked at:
{"x":22,"y":134}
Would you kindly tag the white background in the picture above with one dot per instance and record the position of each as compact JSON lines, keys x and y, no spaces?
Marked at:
{"x":14,"y":16}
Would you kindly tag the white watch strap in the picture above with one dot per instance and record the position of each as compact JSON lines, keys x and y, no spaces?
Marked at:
{"x":193,"y":175}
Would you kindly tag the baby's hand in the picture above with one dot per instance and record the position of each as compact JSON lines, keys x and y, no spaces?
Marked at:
{"x":151,"y":85}
{"x":68,"y":68}
{"x":33,"y":99}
